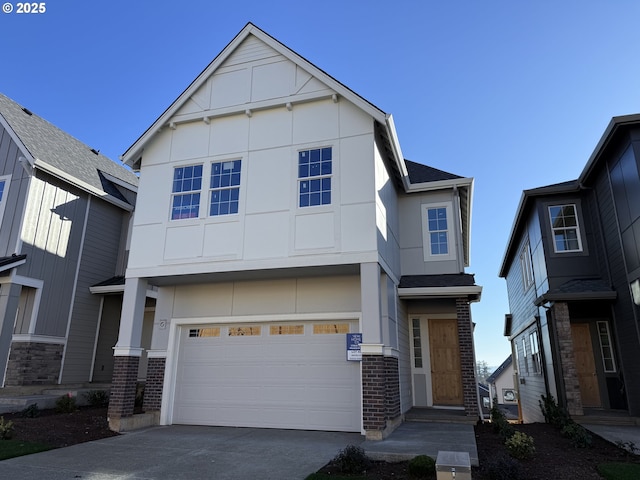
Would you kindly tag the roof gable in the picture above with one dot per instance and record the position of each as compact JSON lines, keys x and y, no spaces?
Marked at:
{"x":57,"y":152}
{"x":250,"y":44}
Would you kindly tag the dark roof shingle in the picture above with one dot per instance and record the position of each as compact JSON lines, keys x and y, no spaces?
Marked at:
{"x":57,"y":148}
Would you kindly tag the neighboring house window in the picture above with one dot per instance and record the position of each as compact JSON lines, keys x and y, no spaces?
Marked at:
{"x":225,"y":187}
{"x":437,"y":225}
{"x":525,"y":358}
{"x":606,"y":347}
{"x":314,"y":177}
{"x":525,"y":264}
{"x":566,"y":231}
{"x":536,"y":362}
{"x":4,"y":187}
{"x":187,"y":183}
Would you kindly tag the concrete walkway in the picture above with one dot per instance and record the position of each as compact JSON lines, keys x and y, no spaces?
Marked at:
{"x":627,"y":436}
{"x":186,"y":452}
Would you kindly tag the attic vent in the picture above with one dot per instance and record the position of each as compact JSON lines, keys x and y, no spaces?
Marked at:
{"x":27,"y":111}
{"x":93,"y":150}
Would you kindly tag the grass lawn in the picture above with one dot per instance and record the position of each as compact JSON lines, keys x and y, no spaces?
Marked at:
{"x":16,"y":448}
{"x":619,"y":471}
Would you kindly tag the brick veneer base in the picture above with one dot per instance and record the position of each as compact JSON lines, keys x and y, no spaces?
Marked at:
{"x":467,"y":358}
{"x":123,"y":386}
{"x":567,"y":358}
{"x":154,"y":384}
{"x":380,"y":395}
{"x":32,"y":363}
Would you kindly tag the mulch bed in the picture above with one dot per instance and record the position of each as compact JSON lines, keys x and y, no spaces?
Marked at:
{"x":555,"y":456}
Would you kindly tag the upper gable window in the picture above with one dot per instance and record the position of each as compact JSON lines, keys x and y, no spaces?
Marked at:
{"x":225,"y":187}
{"x":314,"y":177}
{"x":565,"y":228}
{"x":437,"y":222}
{"x":187,"y":183}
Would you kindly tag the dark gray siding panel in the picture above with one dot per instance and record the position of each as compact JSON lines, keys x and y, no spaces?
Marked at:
{"x":16,"y":193}
{"x":52,"y":235}
{"x":99,"y":258}
{"x":107,"y":338}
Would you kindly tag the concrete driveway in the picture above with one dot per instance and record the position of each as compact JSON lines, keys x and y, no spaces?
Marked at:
{"x":183,"y":452}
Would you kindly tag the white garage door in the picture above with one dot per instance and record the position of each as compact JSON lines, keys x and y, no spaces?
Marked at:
{"x":286,"y":375}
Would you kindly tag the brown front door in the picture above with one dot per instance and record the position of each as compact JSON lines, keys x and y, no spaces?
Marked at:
{"x":446,"y":378}
{"x":585,"y":365}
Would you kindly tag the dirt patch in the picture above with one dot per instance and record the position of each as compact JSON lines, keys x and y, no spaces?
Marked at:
{"x":62,"y":429}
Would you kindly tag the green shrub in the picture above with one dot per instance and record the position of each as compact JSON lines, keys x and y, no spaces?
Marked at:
{"x":351,"y":460}
{"x":32,"y":411}
{"x":553,"y":414}
{"x":97,"y":398}
{"x":6,"y":429}
{"x":520,"y":446}
{"x":500,"y":423}
{"x":578,"y":435}
{"x":66,"y":404}
{"x":501,"y":467}
{"x":422,"y":466}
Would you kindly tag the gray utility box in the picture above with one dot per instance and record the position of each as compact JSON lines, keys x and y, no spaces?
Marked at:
{"x":453,"y":466}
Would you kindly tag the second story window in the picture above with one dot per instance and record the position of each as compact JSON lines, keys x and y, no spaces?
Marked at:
{"x":438,"y":230}
{"x":565,"y":228}
{"x":314,"y":177}
{"x":185,"y":201}
{"x":225,"y":187}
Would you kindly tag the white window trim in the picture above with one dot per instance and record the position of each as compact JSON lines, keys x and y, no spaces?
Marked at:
{"x":5,"y":194}
{"x":577,"y":227}
{"x":205,"y":176}
{"x":332,"y":176}
{"x":536,"y":360}
{"x":451,"y":232}
{"x":210,"y":190}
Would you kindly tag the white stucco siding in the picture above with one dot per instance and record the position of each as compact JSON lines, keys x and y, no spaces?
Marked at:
{"x":262,"y":109}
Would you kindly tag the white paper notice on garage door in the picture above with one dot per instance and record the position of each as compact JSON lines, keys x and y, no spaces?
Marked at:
{"x":272,"y":375}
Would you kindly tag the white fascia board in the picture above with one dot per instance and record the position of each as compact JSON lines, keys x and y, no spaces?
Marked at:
{"x":9,"y":266}
{"x":135,"y":150}
{"x":439,"y":292}
{"x":440,"y":185}
{"x":56,"y":172}
{"x":397,"y":151}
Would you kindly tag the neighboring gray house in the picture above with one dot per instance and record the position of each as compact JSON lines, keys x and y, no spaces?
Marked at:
{"x":278,"y":219}
{"x":65,"y":211}
{"x":572,"y":267}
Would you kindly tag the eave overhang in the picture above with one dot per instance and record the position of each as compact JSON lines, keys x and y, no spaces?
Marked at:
{"x":574,"y":297}
{"x":473,"y":293}
{"x":7,"y":263}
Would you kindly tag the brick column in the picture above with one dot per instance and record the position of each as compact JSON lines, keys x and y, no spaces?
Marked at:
{"x":154,"y":384}
{"x":123,"y":386}
{"x":467,"y":358}
{"x":380,"y":395}
{"x":392,"y":388}
{"x":562,"y":321}
{"x":373,"y":393}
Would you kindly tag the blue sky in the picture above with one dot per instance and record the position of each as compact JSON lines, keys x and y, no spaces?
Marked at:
{"x":513,"y":93}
